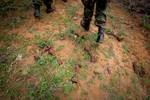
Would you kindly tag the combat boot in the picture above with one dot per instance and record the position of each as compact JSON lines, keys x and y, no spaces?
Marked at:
{"x":85,"y":24}
{"x":49,"y":10}
{"x":100,"y":37}
{"x":37,"y":10}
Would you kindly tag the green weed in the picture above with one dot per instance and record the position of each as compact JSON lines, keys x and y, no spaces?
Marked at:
{"x":146,"y":21}
{"x":101,"y":76}
{"x":42,"y":91}
{"x":14,"y":21}
{"x":147,"y":45}
{"x":70,"y":32}
{"x":108,"y":53}
{"x":32,"y":29}
{"x":67,"y":88}
{"x":125,"y":48}
{"x":7,"y":38}
{"x":122,"y":33}
{"x":60,"y":48}
{"x":53,"y":61}
{"x":108,"y":30}
{"x":42,"y":61}
{"x":71,"y":10}
{"x":42,"y":43}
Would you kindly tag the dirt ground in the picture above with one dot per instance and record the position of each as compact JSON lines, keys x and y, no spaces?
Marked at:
{"x":55,"y":59}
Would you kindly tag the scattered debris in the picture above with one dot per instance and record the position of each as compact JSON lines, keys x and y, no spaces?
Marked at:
{"x":114,"y":35}
{"x":50,"y":50}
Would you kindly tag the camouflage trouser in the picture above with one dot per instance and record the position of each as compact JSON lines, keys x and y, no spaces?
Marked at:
{"x":48,"y":3}
{"x":100,"y":17}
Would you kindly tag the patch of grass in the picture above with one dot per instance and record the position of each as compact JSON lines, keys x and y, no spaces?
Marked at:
{"x":122,"y":33}
{"x":42,"y":91}
{"x":67,"y":88}
{"x":146,"y":21}
{"x":108,"y":30}
{"x":60,"y":48}
{"x":61,"y":77}
{"x":87,"y":56}
{"x":32,"y":29}
{"x":101,"y":76}
{"x":53,"y":61}
{"x":58,"y":79}
{"x":125,"y":48}
{"x":42,"y":43}
{"x":14,"y":21}
{"x":7,"y":38}
{"x":41,"y":61}
{"x":108,"y":53}
{"x":71,"y":10}
{"x":66,"y":20}
{"x":112,"y":19}
{"x":115,"y":79}
{"x":70,"y":32}
{"x":8,"y":54}
{"x":147,"y":45}
{"x":83,"y":74}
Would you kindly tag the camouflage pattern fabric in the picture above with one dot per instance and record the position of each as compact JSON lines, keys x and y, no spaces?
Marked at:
{"x":100,"y":17}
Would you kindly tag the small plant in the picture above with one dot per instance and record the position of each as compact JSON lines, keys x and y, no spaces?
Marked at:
{"x":125,"y":48}
{"x":108,"y":53}
{"x":67,"y":87}
{"x":146,"y":21}
{"x":42,"y":91}
{"x":71,"y":10}
{"x":107,"y":30}
{"x":53,"y":61}
{"x":42,"y":61}
{"x":60,"y":48}
{"x":14,"y":22}
{"x":42,"y":43}
{"x":100,"y":76}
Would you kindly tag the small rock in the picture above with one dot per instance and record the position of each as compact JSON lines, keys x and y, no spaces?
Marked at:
{"x":19,"y":57}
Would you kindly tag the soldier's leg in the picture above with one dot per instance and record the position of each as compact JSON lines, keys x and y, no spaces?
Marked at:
{"x":36,"y":4}
{"x":88,"y":13}
{"x":48,"y":4}
{"x":100,"y":18}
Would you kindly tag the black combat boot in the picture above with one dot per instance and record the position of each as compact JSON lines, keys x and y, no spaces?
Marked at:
{"x":100,"y":37}
{"x":85,"y":24}
{"x":37,"y":10}
{"x":49,"y":8}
